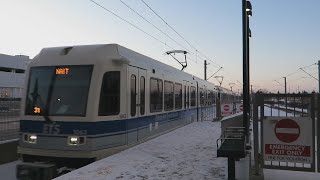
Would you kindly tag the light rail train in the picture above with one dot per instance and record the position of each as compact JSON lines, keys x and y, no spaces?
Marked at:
{"x":83,"y":103}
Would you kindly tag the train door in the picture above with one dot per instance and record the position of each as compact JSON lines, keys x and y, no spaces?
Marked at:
{"x":201,"y":103}
{"x":136,"y":100}
{"x":189,"y":113}
{"x":197,"y":101}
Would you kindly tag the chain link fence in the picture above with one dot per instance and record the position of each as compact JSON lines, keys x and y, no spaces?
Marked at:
{"x":9,"y":118}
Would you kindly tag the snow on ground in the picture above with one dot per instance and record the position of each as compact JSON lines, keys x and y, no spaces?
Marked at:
{"x":271,"y":174}
{"x":186,"y":153}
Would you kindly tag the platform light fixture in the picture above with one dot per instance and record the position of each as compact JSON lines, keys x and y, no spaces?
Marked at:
{"x":248,"y":6}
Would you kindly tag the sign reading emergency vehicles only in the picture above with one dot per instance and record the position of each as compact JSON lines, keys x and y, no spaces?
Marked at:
{"x":288,"y":139}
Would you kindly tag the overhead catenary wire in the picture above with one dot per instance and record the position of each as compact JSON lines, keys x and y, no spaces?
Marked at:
{"x":133,"y":25}
{"x":190,"y":52}
{"x":196,"y":49}
{"x":309,"y":74}
{"x":152,"y":36}
{"x":167,"y":23}
{"x":298,"y":70}
{"x":195,"y":61}
{"x":129,"y":23}
{"x":153,"y":25}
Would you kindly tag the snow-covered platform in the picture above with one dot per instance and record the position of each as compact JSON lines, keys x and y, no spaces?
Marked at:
{"x":185,"y":153}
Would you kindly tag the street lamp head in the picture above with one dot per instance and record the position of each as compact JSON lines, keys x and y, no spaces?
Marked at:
{"x":248,"y":6}
{"x":249,"y":13}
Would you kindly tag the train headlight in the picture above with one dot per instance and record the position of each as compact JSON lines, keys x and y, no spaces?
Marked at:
{"x":30,"y":138}
{"x":76,"y":140}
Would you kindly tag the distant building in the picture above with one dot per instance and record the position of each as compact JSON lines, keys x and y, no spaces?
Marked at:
{"x":12,"y":75}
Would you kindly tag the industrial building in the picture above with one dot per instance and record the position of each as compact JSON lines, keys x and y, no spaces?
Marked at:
{"x":12,"y":75}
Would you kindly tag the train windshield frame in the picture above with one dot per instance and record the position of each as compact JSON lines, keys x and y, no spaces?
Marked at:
{"x":58,"y":90}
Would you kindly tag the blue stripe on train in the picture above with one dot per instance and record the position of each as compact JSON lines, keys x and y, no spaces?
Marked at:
{"x":96,"y":128}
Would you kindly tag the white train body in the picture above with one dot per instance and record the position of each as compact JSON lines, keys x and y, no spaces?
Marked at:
{"x":86,"y":102}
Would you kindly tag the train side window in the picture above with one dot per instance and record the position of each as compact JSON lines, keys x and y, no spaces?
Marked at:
{"x":201,"y":97}
{"x":206,"y":93}
{"x":188,"y":88}
{"x":210,"y":97}
{"x":213,"y":98}
{"x":168,"y":95}
{"x":178,"y":95}
{"x":142,"y":95}
{"x":193,"y":96}
{"x":110,"y":94}
{"x":133,"y":95}
{"x":156,"y":95}
{"x":185,"y":97}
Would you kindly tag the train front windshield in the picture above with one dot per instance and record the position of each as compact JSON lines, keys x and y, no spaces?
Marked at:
{"x":58,"y":90}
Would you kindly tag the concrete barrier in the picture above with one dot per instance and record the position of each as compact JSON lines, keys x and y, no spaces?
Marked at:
{"x":8,"y":151}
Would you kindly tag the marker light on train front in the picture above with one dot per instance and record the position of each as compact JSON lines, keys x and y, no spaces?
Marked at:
{"x":30,"y":138}
{"x":76,"y":140}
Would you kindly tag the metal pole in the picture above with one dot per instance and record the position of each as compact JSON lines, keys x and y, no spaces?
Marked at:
{"x":251,"y":100}
{"x":248,"y":70}
{"x":231,"y":169}
{"x":205,"y":70}
{"x":285,"y":92}
{"x":319,"y":76}
{"x":257,"y":102}
{"x":245,"y":80}
{"x":317,"y":123}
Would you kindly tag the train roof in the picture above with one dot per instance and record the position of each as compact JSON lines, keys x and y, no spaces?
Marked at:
{"x":103,"y":53}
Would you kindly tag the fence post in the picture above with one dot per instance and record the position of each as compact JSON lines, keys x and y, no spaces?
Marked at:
{"x":256,"y":133}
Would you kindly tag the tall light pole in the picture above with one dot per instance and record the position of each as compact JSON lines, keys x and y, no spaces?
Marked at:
{"x":249,"y":14}
{"x":246,"y":9}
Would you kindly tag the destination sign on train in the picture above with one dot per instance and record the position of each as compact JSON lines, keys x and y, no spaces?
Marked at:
{"x":62,"y":71}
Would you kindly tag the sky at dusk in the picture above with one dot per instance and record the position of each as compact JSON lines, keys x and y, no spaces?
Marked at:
{"x":285,"y":34}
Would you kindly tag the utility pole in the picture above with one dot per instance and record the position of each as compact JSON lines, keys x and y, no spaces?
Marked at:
{"x":205,"y":70}
{"x":285,"y":92}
